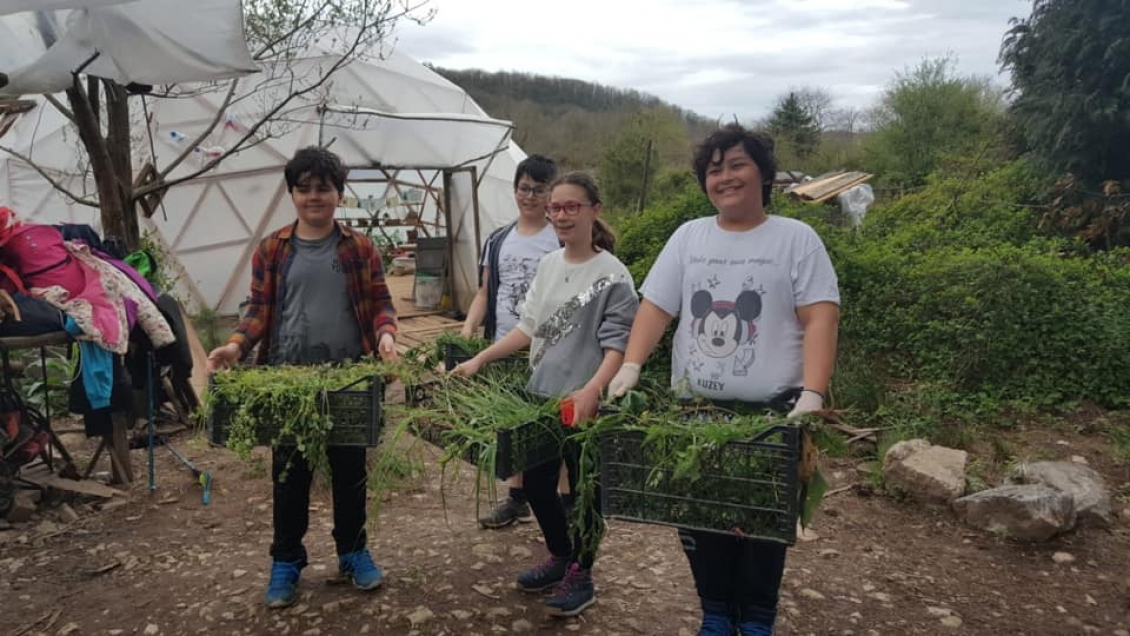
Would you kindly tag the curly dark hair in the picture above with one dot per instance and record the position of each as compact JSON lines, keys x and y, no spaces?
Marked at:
{"x":314,"y":162}
{"x":758,"y":145}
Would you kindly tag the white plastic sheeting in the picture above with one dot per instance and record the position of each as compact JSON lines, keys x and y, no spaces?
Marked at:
{"x":390,"y":112}
{"x":143,"y":41}
{"x":15,"y":6}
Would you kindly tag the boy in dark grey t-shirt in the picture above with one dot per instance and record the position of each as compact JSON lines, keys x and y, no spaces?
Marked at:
{"x":317,"y":295}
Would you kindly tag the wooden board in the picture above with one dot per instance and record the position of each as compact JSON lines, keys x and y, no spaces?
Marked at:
{"x":828,"y":186}
{"x":40,"y":476}
{"x":199,"y":356}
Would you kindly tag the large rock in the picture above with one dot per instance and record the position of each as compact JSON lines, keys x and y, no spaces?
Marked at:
{"x":1027,"y":512}
{"x":931,"y":474}
{"x":1085,"y":486}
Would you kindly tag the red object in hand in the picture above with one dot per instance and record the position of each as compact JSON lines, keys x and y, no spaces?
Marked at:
{"x":568,"y":414}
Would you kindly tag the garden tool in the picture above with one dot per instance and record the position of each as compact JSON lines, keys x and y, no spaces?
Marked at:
{"x":202,"y":476}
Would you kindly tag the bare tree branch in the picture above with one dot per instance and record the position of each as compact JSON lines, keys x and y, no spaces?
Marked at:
{"x":190,"y":148}
{"x":342,"y":60}
{"x":289,"y":34}
{"x":61,"y":107}
{"x":47,"y":176}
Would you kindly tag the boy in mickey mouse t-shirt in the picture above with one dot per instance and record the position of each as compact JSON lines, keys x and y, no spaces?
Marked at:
{"x":759,"y":307}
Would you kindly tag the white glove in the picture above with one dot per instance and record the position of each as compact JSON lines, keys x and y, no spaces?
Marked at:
{"x":624,"y":380}
{"x":808,"y":402}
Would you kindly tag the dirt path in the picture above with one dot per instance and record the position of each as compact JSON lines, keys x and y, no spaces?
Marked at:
{"x":165,"y":564}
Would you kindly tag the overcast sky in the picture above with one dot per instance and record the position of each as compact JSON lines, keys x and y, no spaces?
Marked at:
{"x":719,"y":58}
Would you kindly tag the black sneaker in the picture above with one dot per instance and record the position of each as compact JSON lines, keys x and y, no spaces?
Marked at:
{"x":545,"y":575}
{"x":507,"y":512}
{"x":573,"y":594}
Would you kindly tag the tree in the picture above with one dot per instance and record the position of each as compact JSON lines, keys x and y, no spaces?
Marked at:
{"x":277,"y":32}
{"x":1070,"y":65}
{"x":629,"y":163}
{"x":927,"y":113}
{"x":818,"y":103}
{"x":794,"y":127}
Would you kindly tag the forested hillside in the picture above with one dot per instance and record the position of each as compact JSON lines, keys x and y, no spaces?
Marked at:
{"x":585,"y":125}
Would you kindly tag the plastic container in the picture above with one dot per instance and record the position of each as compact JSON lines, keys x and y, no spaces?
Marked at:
{"x":751,"y":485}
{"x":354,"y":409}
{"x":429,"y":291}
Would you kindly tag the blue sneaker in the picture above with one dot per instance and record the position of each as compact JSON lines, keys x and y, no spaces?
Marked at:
{"x":282,"y":590}
{"x":359,"y":567}
{"x":754,"y":628}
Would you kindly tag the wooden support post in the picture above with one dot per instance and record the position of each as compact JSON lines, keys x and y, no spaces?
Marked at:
{"x":117,"y":447}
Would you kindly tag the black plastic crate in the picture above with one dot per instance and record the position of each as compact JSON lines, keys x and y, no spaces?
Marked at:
{"x":528,"y":446}
{"x":750,"y":485}
{"x":453,"y":355}
{"x":417,"y":394}
{"x":440,"y":436}
{"x":355,"y":411}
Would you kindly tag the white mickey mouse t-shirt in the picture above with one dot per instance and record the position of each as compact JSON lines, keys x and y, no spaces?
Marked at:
{"x":736,"y":295}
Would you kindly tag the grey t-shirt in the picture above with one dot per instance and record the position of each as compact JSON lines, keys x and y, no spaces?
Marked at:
{"x":518,"y":259}
{"x":317,"y":323}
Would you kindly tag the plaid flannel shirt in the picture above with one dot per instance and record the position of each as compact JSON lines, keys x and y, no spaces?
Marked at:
{"x":361,"y":262}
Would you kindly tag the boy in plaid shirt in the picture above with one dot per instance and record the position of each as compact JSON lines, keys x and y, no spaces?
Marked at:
{"x":317,"y":295}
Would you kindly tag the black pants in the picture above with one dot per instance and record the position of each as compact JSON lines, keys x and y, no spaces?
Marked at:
{"x":742,"y":573}
{"x":540,"y":486}
{"x":292,"y":500}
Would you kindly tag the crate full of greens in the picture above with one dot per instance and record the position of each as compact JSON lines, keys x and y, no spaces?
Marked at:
{"x":718,"y":474}
{"x":492,"y":420}
{"x":529,"y":445}
{"x":307,"y":407}
{"x":448,"y":351}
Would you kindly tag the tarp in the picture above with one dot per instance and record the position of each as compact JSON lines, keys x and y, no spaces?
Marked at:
{"x":143,"y":41}
{"x":391,"y":112}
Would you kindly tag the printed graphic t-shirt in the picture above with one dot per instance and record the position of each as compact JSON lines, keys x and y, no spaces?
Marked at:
{"x":736,"y":295}
{"x":518,"y":259}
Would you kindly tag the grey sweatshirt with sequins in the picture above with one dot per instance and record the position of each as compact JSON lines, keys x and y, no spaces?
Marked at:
{"x":574,"y":312}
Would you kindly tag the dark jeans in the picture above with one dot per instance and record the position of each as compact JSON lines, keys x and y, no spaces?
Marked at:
{"x":540,"y":485}
{"x":292,"y":500}
{"x":742,"y":573}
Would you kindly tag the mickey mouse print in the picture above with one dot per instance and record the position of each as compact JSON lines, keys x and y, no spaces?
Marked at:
{"x":736,"y":293}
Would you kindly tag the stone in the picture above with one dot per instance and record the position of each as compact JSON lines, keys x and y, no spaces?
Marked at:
{"x":67,"y":514}
{"x":151,"y":630}
{"x":1063,"y":557}
{"x":811,"y":594}
{"x":420,"y":616}
{"x":953,"y":622}
{"x":927,"y":473}
{"x":68,"y":629}
{"x":1085,"y":486}
{"x":1025,"y":512}
{"x":521,"y":626}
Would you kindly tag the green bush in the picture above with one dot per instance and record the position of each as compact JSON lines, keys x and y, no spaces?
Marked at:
{"x":953,"y":301}
{"x":1015,"y":323}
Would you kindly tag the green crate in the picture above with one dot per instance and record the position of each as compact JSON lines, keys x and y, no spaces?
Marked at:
{"x":355,"y":411}
{"x":751,"y":485}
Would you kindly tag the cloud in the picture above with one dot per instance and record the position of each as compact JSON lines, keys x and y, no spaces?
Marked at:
{"x":717,"y":57}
